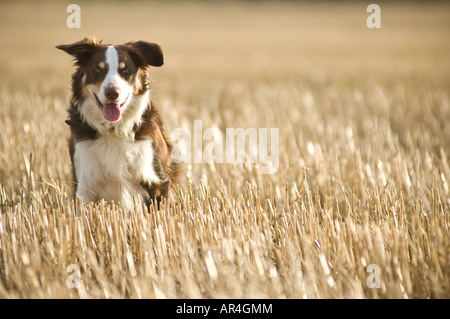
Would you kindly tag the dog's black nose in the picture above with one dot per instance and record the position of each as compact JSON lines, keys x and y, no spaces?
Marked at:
{"x":111,"y":93}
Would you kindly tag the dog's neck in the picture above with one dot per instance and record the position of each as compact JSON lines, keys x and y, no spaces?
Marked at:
{"x":81,"y":126}
{"x":85,"y":127}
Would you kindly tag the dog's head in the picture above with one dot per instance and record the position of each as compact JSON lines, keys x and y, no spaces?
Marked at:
{"x":112,"y":75}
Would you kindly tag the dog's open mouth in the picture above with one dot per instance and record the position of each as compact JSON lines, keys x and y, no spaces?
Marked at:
{"x":111,"y":111}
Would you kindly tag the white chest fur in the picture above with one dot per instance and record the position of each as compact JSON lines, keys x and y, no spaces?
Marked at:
{"x":113,"y":167}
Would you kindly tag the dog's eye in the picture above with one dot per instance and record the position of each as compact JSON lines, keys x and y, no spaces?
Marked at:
{"x":126,"y":70}
{"x":96,"y":69}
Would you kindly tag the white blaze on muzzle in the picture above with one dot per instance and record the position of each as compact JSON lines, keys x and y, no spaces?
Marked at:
{"x":115,"y":91}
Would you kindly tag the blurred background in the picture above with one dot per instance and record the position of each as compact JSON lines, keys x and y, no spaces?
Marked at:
{"x":311,"y":40}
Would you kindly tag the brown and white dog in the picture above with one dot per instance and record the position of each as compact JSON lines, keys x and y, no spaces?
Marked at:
{"x":118,"y":147}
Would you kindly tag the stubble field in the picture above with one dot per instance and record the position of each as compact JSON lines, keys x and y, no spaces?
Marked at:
{"x":364,"y":140}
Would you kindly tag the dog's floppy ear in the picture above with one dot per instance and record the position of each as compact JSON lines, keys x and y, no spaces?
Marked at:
{"x":80,"y":50}
{"x":146,"y":53}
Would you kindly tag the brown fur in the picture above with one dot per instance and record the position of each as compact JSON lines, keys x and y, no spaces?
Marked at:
{"x":140,"y":55}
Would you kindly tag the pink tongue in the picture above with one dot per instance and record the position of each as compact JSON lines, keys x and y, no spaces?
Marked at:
{"x":111,"y":112}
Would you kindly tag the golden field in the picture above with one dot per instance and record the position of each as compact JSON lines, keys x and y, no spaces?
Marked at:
{"x":364,"y":150}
